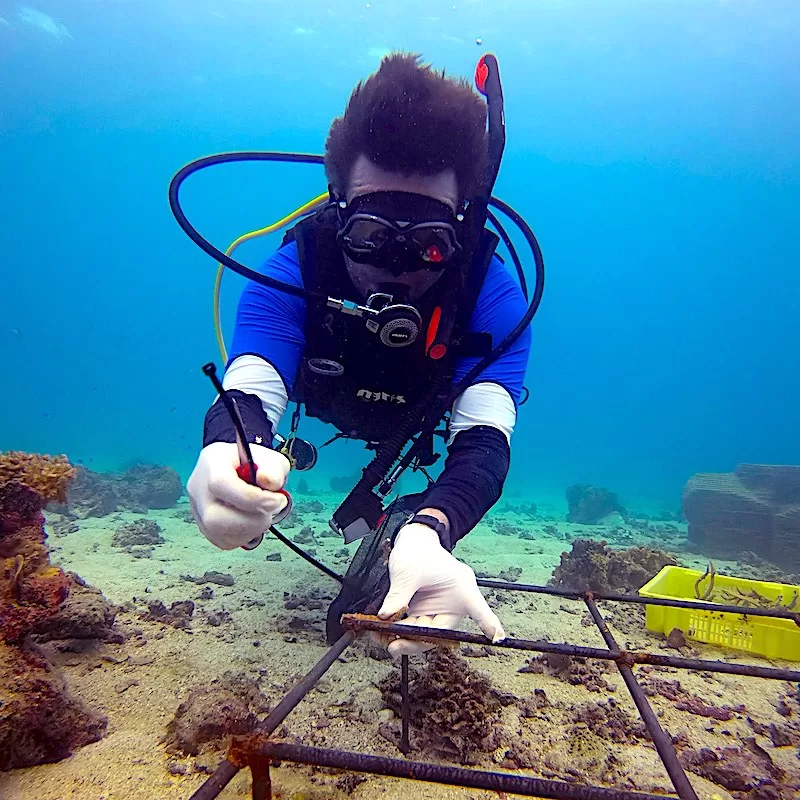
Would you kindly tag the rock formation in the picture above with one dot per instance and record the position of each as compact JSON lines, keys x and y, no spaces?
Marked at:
{"x":755,"y":508}
{"x":39,"y":721}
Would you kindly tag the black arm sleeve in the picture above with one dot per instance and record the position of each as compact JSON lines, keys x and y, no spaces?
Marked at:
{"x":219,"y":426}
{"x":472,"y":479}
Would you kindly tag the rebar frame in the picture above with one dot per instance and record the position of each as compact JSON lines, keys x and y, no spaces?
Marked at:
{"x":257,"y":750}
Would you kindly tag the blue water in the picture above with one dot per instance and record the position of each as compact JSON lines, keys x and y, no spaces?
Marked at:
{"x":654,"y":148}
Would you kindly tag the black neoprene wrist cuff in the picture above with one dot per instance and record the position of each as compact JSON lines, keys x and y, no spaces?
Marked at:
{"x":472,"y":480}
{"x":437,"y":525}
{"x":219,"y":426}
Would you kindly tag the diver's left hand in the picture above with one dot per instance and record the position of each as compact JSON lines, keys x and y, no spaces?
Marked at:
{"x":437,"y":589}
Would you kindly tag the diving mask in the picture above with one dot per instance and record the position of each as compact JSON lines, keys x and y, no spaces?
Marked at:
{"x":398,"y":231}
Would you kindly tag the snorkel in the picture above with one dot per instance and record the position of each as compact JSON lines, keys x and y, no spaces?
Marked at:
{"x":363,"y":507}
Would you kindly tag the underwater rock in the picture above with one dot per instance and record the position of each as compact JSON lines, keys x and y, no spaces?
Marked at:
{"x":748,"y":769}
{"x":755,"y":508}
{"x":676,"y":639}
{"x":217,"y":618}
{"x":611,"y":722}
{"x":342,"y":484}
{"x":147,"y":486}
{"x":86,"y":614}
{"x":137,"y":533}
{"x":589,"y":504}
{"x":64,"y":526}
{"x":309,"y":507}
{"x":573,"y":670}
{"x":178,"y":615}
{"x":504,"y":528}
{"x":594,"y":566}
{"x":273,"y":557}
{"x":39,"y":721}
{"x":219,"y":578}
{"x":529,"y":510}
{"x":91,"y":495}
{"x":313,"y":600}
{"x":210,"y":714}
{"x":781,"y":735}
{"x":301,"y":487}
{"x":684,"y":700}
{"x":510,"y":575}
{"x":306,"y":536}
{"x":455,"y":710}
{"x":751,"y":565}
{"x":140,"y":488}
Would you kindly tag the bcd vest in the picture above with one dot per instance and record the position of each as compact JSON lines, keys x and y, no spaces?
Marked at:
{"x":379,"y":384}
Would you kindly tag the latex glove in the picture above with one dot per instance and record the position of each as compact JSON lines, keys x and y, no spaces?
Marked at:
{"x":437,"y":589}
{"x":229,"y":511}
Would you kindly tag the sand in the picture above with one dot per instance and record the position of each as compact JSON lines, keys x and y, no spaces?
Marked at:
{"x":139,"y":684}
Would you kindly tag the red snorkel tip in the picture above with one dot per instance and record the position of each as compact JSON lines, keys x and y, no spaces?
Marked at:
{"x":434,"y":255}
{"x":481,"y":75}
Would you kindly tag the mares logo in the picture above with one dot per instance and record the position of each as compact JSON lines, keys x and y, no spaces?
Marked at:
{"x":378,"y":397}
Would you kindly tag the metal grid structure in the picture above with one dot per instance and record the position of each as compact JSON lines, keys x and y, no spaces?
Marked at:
{"x":257,"y":751}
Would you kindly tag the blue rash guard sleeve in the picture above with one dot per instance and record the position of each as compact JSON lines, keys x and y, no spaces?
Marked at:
{"x":501,"y":305}
{"x":270,"y":323}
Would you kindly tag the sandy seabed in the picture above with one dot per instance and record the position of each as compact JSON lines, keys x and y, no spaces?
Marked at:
{"x":139,"y":684}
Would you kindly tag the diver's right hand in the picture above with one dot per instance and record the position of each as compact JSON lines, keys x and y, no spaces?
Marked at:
{"x":229,"y":511}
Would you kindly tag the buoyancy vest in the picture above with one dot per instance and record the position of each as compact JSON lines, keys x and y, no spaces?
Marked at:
{"x":378,"y":384}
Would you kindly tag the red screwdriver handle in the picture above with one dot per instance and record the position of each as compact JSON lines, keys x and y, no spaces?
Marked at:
{"x":243,"y":471}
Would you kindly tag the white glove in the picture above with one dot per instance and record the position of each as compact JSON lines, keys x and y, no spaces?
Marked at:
{"x":437,"y":588}
{"x":229,"y":511}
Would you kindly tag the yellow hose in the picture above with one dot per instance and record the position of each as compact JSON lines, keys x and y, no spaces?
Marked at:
{"x":308,"y":207}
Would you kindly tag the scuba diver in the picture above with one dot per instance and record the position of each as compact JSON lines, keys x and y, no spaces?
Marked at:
{"x":426,"y":305}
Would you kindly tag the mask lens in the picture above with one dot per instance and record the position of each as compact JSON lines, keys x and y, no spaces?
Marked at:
{"x":365,"y":236}
{"x":435,"y":245}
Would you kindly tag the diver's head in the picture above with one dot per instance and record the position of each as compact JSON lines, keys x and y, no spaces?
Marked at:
{"x":408,"y":153}
{"x":399,"y":230}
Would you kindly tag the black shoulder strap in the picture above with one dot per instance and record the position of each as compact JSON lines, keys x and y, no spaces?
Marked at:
{"x":458,"y":335}
{"x":316,"y":243}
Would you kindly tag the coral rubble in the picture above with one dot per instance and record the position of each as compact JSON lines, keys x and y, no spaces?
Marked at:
{"x":755,"y":508}
{"x":589,"y":504}
{"x":39,"y":721}
{"x":575,"y":671}
{"x":594,"y":566}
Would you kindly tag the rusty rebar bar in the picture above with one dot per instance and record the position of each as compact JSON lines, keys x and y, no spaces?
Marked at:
{"x":439,"y":773}
{"x":573,"y":594}
{"x":405,"y":717}
{"x":227,"y":769}
{"x":304,"y":686}
{"x":261,"y":779}
{"x":661,"y":740}
{"x":572,"y":650}
{"x":220,"y":778}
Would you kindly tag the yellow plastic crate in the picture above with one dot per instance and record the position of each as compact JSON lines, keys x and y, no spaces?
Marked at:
{"x":762,"y":636}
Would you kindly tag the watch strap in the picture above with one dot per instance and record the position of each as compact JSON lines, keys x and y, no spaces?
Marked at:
{"x":437,"y":525}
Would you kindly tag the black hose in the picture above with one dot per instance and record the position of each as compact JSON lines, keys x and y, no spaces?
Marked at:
{"x":206,"y":246}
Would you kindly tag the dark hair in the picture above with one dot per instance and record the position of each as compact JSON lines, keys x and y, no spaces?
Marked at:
{"x":408,"y":118}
